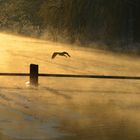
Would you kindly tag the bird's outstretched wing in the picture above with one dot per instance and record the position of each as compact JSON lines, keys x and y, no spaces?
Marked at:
{"x":54,"y":55}
{"x":67,"y":54}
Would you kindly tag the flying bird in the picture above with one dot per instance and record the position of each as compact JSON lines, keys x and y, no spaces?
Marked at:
{"x":61,"y":54}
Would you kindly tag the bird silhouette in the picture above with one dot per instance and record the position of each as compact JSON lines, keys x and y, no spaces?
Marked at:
{"x":61,"y":54}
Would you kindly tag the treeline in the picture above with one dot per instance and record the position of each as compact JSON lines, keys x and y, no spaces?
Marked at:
{"x":73,"y":20}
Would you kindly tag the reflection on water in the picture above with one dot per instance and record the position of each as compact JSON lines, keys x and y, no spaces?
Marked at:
{"x":55,"y":113}
{"x":22,"y":126}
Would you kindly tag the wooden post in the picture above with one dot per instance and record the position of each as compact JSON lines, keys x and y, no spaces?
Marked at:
{"x":33,"y":75}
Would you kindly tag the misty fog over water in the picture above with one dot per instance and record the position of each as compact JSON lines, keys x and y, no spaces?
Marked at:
{"x":67,"y":108}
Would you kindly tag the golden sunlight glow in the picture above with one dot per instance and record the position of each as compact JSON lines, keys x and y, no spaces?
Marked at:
{"x":62,"y":108}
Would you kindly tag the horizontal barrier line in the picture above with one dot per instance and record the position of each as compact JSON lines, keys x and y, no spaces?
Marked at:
{"x":90,"y":76}
{"x":14,"y":74}
{"x":73,"y":76}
